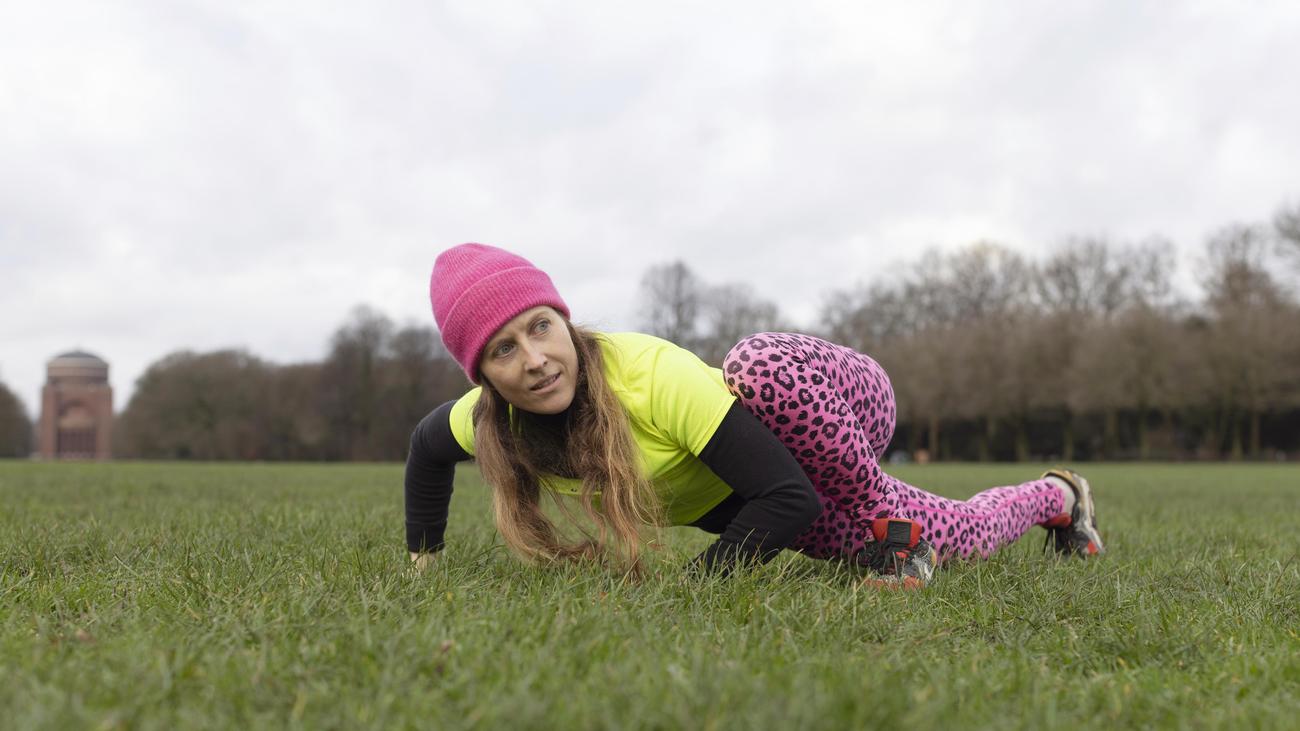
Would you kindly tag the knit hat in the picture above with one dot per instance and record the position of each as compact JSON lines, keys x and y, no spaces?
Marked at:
{"x":475,"y":289}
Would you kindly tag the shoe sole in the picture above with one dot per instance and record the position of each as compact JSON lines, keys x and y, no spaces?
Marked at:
{"x":907,"y":583}
{"x":902,"y":583}
{"x":1087,"y":524}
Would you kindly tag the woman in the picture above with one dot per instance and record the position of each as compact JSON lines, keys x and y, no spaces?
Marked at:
{"x":776,"y":450}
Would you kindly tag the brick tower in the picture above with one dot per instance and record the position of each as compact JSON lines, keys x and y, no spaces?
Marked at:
{"x":76,"y":408}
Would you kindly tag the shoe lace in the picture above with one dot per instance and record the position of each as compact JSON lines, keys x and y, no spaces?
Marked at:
{"x":886,"y":557}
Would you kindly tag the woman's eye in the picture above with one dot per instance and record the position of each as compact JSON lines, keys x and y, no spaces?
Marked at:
{"x":502,"y":350}
{"x":542,"y":326}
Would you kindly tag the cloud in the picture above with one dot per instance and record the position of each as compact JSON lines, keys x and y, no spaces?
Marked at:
{"x":208,"y":174}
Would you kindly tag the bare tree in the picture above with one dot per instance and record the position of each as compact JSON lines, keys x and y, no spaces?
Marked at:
{"x":1247,"y":346}
{"x":1148,"y":340}
{"x":1150,"y":269}
{"x":730,"y":312}
{"x":943,"y":330}
{"x":1094,"y":387}
{"x":1129,"y":365}
{"x":352,"y":384}
{"x":926,"y":383}
{"x":671,"y":296}
{"x":1286,"y":224}
{"x":15,"y":427}
{"x":989,"y":285}
{"x":1235,"y":271}
{"x":1086,"y":277}
{"x":909,"y":326}
{"x":295,"y":427}
{"x":869,"y":317}
{"x":1083,"y":287}
{"x":199,"y":406}
{"x":925,"y":289}
{"x":361,"y":403}
{"x":421,"y":371}
{"x":419,"y":375}
{"x":986,"y":280}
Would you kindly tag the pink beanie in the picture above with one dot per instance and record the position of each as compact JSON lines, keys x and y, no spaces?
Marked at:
{"x":475,"y":289}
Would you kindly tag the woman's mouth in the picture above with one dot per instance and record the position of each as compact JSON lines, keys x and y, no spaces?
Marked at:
{"x":545,"y":383}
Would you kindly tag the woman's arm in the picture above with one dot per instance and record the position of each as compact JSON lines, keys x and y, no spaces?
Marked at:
{"x":430,"y":470}
{"x":776,"y":501}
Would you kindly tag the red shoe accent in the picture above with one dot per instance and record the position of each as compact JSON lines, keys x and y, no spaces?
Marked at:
{"x":906,"y":583}
{"x":880,"y":529}
{"x":1092,"y":548}
{"x":1061,"y":521}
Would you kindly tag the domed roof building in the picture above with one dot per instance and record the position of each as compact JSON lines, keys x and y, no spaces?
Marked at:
{"x":76,"y":408}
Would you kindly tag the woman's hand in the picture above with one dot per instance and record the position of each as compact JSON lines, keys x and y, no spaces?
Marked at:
{"x":421,"y":561}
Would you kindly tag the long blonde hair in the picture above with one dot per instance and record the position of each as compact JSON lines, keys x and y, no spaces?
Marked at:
{"x":513,"y":453}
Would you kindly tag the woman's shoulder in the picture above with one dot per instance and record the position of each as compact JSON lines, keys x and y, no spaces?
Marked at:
{"x":667,"y":388}
{"x":462,"y":419}
{"x":634,"y":355}
{"x":633,"y":340}
{"x":633,"y":345}
{"x":635,"y":359}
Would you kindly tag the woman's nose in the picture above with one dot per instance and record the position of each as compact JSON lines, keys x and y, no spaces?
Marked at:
{"x":534,"y":358}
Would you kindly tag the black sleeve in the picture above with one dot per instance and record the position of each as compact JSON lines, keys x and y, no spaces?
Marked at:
{"x":430,"y":470}
{"x":772,"y":501}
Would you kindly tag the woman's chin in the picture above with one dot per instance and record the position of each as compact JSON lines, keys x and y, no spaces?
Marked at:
{"x":552,"y":403}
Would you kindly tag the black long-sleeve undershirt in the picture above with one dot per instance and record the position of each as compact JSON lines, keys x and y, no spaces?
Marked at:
{"x":430,"y":472}
{"x":772,"y":501}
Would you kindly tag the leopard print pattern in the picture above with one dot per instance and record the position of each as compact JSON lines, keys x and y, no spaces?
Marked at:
{"x":833,"y":408}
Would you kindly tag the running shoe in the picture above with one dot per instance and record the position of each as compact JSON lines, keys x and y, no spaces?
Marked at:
{"x":1075,"y":533}
{"x":899,"y":558}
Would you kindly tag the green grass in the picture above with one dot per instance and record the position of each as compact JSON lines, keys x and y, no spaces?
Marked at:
{"x":174,"y":595}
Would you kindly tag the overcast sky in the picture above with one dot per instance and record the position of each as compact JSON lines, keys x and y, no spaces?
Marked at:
{"x":206,"y":173}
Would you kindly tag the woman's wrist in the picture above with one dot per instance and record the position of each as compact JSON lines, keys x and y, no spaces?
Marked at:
{"x":421,"y":560}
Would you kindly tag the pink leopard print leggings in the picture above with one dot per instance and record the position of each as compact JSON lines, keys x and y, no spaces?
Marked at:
{"x":833,"y":408}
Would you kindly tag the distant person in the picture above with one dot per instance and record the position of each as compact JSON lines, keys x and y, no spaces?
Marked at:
{"x":778,"y":449}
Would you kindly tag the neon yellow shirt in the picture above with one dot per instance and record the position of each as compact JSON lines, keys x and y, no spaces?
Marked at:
{"x":674,"y":404}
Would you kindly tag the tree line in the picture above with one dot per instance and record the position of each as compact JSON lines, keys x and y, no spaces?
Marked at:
{"x":1089,"y":353}
{"x":360,"y":403}
{"x":1086,"y":353}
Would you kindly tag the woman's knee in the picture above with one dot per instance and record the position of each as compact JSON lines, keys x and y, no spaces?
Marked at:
{"x":743,"y":379}
{"x":746,"y":345}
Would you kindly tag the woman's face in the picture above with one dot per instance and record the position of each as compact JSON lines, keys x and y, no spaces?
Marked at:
{"x":532,"y":363}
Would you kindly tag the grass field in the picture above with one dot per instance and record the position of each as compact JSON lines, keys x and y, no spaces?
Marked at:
{"x":177,"y":595}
